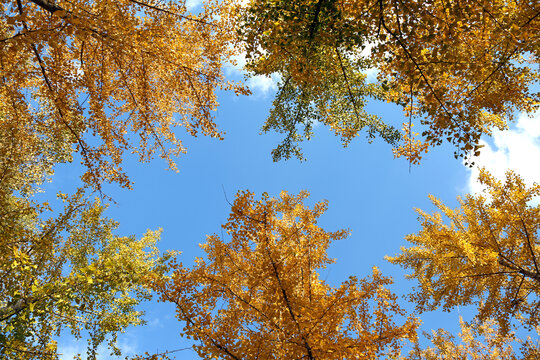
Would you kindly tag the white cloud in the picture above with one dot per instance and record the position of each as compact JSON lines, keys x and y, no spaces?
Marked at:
{"x":192,"y":4}
{"x":517,"y":149}
{"x":259,"y":84}
{"x":239,"y":62}
{"x":371,"y":74}
{"x":263,"y":84}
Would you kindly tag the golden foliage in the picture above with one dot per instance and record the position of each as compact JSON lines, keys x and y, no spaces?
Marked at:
{"x":411,"y":148}
{"x":94,"y":76}
{"x":68,"y":272}
{"x":91,"y":77}
{"x":478,"y":342}
{"x":26,"y":159}
{"x":487,"y":256}
{"x":259,"y":295}
{"x":61,"y":268}
{"x":467,"y":65}
{"x":323,"y":80}
{"x":461,"y":61}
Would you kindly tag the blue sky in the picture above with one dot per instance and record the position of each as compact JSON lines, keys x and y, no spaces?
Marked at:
{"x":368,"y":191}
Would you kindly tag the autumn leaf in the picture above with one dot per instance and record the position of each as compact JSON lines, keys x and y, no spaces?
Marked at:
{"x":68,"y":273}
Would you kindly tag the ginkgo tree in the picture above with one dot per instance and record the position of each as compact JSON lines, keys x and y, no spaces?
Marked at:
{"x":478,"y":341}
{"x":259,"y":295}
{"x":68,"y":272}
{"x":103,"y":79}
{"x":488,"y":256}
{"x":88,"y":76}
{"x":106,"y":79}
{"x":462,"y":67}
{"x":322,"y":81}
{"x":62,"y":266}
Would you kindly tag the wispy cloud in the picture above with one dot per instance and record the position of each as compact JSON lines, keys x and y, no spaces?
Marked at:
{"x":517,"y":149}
{"x":371,"y":73}
{"x":259,"y":84}
{"x":263,"y":84}
{"x":192,"y":4}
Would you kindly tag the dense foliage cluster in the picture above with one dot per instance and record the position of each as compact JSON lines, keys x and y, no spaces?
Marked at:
{"x":87,"y":76}
{"x":259,"y":296}
{"x":461,"y":67}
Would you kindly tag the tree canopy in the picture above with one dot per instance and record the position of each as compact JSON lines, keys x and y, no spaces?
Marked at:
{"x":100,"y":81}
{"x":462,"y":67}
{"x":487,"y":255}
{"x":93,"y":77}
{"x":68,"y":272}
{"x":477,"y":341}
{"x":259,"y":295}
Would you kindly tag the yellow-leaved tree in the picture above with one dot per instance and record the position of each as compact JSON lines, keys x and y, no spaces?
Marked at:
{"x":259,"y":295}
{"x":465,"y":67}
{"x":462,"y":67}
{"x":478,"y":341}
{"x":62,"y":267}
{"x":106,"y":78}
{"x":323,"y":79}
{"x":68,"y":272}
{"x":488,"y":255}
